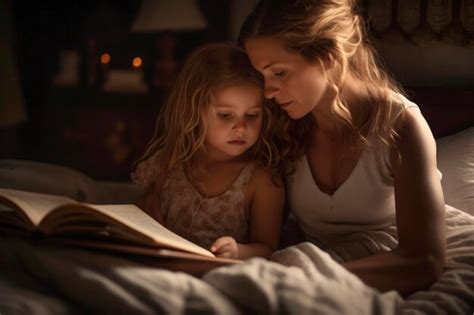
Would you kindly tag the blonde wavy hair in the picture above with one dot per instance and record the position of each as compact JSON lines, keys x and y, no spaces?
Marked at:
{"x":181,"y":126}
{"x":324,"y":30}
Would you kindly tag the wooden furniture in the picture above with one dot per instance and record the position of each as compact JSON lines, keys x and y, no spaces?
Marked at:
{"x":100,"y":134}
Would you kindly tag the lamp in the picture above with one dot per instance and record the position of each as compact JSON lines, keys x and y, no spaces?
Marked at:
{"x":162,"y":18}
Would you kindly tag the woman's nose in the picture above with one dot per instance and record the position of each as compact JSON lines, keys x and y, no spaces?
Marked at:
{"x":270,"y":91}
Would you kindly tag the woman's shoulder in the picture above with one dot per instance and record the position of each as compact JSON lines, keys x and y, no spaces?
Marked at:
{"x":403,"y":101}
{"x":413,"y":119}
{"x":415,"y":141}
{"x":415,"y":126}
{"x":402,"y":118}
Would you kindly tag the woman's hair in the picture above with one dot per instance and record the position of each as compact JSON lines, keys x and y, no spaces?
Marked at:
{"x":331,"y":30}
{"x":181,"y":126}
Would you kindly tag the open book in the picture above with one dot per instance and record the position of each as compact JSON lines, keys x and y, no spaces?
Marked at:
{"x":123,"y":228}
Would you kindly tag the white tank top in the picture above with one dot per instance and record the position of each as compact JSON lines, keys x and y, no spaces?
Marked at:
{"x":365,"y":201}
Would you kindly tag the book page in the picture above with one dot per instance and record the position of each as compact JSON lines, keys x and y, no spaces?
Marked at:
{"x":34,"y":205}
{"x":138,"y":220}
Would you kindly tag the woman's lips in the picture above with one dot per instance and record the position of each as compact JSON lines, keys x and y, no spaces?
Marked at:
{"x":284,"y":105}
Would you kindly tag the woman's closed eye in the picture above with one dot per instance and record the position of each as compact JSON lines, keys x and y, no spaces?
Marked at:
{"x":280,"y":73}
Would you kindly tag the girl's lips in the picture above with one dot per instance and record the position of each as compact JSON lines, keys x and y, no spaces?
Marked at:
{"x":238,"y":142}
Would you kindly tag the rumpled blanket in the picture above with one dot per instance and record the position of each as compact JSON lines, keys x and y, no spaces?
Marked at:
{"x":300,"y":279}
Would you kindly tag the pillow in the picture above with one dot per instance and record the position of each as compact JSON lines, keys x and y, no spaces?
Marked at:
{"x":60,"y":180}
{"x":455,"y":157}
{"x":44,"y":178}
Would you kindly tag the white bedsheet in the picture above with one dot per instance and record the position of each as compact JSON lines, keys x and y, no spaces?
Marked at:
{"x":301,"y":279}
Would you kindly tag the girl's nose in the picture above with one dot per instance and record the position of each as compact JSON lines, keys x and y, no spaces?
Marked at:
{"x":270,"y":91}
{"x":240,"y":126}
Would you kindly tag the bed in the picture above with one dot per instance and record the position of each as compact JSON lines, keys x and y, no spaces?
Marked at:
{"x":299,"y":279}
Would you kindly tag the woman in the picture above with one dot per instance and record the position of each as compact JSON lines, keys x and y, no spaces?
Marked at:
{"x":363,"y":156}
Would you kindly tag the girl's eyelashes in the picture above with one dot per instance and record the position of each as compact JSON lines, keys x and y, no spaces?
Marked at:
{"x":252,"y":116}
{"x":224,"y":116}
{"x":228,"y":116}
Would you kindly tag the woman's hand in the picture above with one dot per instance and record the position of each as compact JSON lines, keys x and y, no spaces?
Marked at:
{"x":225,"y":246}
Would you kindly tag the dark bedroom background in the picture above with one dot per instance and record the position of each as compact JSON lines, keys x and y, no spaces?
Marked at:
{"x":81,"y":82}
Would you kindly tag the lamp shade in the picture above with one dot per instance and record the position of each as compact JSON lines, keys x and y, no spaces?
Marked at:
{"x":162,"y":15}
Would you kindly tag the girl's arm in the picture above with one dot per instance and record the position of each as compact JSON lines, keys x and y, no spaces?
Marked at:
{"x":419,"y":259}
{"x":265,"y":214}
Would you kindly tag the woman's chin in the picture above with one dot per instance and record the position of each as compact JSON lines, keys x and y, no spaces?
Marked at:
{"x":295,"y":115}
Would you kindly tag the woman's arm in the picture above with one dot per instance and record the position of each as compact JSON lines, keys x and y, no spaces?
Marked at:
{"x":419,"y":259}
{"x":266,"y":200}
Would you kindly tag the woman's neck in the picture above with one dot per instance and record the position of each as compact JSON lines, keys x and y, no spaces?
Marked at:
{"x":353,"y":92}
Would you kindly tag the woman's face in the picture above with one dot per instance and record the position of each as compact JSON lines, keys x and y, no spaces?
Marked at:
{"x":296,"y":84}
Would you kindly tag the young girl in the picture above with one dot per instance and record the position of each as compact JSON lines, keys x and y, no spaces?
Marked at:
{"x":210,"y":171}
{"x":363,"y":155}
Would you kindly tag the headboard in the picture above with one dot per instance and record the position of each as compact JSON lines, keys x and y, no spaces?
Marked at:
{"x":446,"y":110}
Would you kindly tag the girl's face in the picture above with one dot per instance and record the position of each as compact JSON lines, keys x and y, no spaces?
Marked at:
{"x":235,"y":120}
{"x":296,"y":84}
